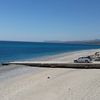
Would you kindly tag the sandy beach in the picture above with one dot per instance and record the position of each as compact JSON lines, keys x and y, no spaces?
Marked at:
{"x":18,"y":82}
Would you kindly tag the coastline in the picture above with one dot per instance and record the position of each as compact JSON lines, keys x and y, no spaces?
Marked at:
{"x":64,"y":56}
{"x":19,"y":82}
{"x":67,"y":57}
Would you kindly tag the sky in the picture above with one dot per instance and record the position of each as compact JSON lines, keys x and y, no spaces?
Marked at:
{"x":47,"y":20}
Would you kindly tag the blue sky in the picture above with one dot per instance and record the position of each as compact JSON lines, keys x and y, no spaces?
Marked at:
{"x":41,"y":20}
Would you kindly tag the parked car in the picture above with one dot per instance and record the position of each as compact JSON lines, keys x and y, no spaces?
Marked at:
{"x":83,"y":60}
{"x":89,"y":57}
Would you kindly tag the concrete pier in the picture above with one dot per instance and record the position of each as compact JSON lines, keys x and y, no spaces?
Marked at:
{"x":52,"y":64}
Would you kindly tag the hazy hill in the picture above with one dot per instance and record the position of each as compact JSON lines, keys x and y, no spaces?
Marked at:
{"x":96,"y":41}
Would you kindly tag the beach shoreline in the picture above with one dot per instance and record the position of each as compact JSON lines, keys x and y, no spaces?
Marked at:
{"x":60,"y":55}
{"x":19,"y":82}
{"x":67,"y":57}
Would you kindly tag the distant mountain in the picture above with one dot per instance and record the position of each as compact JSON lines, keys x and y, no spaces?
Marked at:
{"x":96,"y":41}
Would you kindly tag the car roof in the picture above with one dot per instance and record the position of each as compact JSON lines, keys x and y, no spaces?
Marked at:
{"x":82,"y":57}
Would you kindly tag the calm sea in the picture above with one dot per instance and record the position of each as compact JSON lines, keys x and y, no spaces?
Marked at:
{"x":12,"y":51}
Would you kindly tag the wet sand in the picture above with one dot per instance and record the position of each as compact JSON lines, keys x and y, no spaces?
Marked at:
{"x":19,"y":82}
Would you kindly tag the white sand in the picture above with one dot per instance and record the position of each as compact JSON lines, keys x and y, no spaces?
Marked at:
{"x":30,"y":83}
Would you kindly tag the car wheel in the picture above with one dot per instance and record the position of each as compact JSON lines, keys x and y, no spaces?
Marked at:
{"x":75,"y":61}
{"x":86,"y":61}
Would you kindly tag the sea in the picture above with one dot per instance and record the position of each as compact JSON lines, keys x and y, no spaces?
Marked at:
{"x":15,"y":51}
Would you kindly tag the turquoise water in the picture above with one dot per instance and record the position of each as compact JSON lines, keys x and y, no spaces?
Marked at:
{"x":12,"y":51}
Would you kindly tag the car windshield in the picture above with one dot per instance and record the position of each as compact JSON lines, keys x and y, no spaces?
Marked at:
{"x":79,"y":58}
